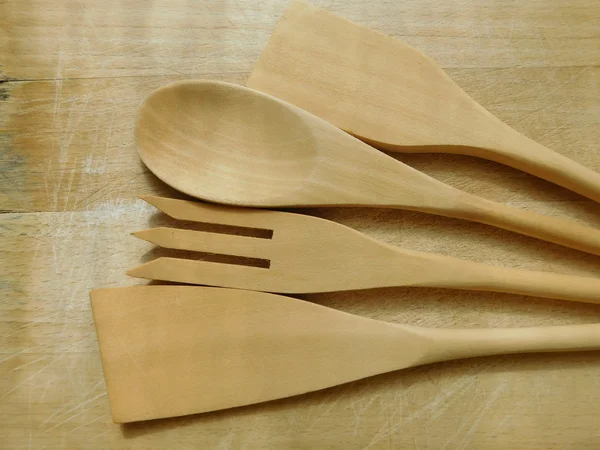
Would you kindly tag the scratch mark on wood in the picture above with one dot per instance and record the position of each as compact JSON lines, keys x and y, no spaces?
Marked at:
{"x":492,"y":399}
{"x":80,"y":406}
{"x":339,"y":392}
{"x":14,"y":355}
{"x":29,"y":363}
{"x":430,"y":405}
{"x":89,"y":423}
{"x":63,"y":352}
{"x":226,"y":441}
{"x":24,"y":381}
{"x":58,"y":87}
{"x":93,"y":438}
{"x":59,"y":410}
{"x":471,"y":420}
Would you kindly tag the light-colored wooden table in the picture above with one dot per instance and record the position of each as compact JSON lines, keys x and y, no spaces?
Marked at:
{"x":74,"y":72}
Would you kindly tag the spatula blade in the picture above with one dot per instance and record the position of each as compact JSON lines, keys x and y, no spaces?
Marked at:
{"x":176,"y":350}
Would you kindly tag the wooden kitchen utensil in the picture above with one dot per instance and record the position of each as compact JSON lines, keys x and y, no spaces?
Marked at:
{"x":175,"y":350}
{"x":231,"y":144}
{"x":394,"y":97}
{"x":308,"y":254}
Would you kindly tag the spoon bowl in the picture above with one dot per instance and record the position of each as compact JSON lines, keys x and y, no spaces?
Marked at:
{"x":225,"y":141}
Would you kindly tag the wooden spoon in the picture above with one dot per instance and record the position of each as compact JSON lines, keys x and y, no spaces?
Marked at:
{"x":175,"y":350}
{"x":230,"y":144}
{"x":394,"y":97}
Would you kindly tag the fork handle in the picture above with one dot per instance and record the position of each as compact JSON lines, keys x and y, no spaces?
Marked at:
{"x":467,"y":343}
{"x":552,"y":229}
{"x":456,"y":273}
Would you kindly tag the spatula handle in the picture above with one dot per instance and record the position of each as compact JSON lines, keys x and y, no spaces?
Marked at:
{"x":532,"y":157}
{"x":466,"y":343}
{"x":551,"y":229}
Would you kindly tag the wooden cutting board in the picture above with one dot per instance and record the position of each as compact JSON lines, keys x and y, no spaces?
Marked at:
{"x":69,"y":177}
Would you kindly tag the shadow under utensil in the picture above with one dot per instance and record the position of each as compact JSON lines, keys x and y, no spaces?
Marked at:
{"x":453,"y":308}
{"x":162,"y":283}
{"x":161,"y":219}
{"x":485,"y":176}
{"x":462,"y":239}
{"x":159,"y":252}
{"x":428,"y":227}
{"x":469,"y":370}
{"x":157,"y":187}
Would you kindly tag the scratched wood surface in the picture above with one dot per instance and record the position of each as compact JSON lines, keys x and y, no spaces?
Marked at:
{"x":73,"y":72}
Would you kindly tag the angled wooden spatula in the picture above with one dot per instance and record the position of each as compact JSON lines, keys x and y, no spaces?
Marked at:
{"x":175,"y":350}
{"x":394,"y":97}
{"x":308,"y":254}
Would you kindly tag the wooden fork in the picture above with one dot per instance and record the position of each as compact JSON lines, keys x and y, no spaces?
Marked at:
{"x":308,"y":254}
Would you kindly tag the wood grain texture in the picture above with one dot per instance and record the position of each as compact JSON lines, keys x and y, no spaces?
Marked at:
{"x":226,"y":143}
{"x":306,"y":254}
{"x":69,"y":176}
{"x":175,"y":350}
{"x":394,"y":97}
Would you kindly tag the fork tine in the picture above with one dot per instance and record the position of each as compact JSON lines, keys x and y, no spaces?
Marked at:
{"x":210,"y":213}
{"x":203,"y":272}
{"x":202,"y":241}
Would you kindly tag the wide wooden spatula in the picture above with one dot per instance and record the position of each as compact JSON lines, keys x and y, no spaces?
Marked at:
{"x":175,"y":350}
{"x":394,"y":97}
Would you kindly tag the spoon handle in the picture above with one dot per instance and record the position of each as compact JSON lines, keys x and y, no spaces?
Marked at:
{"x":456,"y":273}
{"x":552,"y":229}
{"x":467,"y":343}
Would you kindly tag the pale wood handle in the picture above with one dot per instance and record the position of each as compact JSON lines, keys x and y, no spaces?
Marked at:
{"x":460,"y":274}
{"x":532,"y":157}
{"x":467,"y":343}
{"x":547,"y":228}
